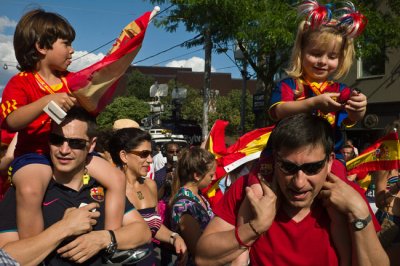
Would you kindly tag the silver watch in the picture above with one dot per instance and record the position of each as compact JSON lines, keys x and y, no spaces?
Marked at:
{"x":360,"y":224}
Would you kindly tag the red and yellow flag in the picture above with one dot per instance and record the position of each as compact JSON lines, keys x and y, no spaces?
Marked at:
{"x":95,"y":85}
{"x":384,"y":154}
{"x":248,"y":147}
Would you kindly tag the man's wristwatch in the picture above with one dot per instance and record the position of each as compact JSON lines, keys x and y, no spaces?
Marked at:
{"x":360,"y":224}
{"x":112,"y":247}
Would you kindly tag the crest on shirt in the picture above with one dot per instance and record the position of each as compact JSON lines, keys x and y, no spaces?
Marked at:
{"x":97,"y":193}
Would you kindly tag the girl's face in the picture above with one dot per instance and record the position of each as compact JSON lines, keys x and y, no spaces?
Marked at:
{"x":320,"y":59}
{"x":137,"y":164}
{"x":59,"y":57}
{"x":209,"y":176}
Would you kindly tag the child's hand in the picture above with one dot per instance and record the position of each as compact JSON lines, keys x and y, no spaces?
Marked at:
{"x":357,"y":103}
{"x":63,"y":99}
{"x":326,"y":102}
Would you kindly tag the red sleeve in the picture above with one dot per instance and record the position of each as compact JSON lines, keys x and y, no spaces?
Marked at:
{"x":14,"y":95}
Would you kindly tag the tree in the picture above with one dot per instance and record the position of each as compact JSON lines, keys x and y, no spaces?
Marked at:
{"x":138,"y":85}
{"x":123,"y":107}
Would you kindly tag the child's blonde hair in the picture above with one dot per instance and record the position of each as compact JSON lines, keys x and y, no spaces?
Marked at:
{"x":321,"y":35}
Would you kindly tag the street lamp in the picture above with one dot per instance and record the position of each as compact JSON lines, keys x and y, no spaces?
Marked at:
{"x":240,"y":57}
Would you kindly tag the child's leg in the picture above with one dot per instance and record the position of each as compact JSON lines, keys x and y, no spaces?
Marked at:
{"x":30,"y":183}
{"x":114,"y":181}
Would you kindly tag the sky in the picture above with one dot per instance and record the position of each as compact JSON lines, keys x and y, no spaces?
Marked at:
{"x":99,"y":22}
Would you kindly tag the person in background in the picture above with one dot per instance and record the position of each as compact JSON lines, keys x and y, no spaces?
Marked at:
{"x":351,"y":143}
{"x":130,"y":149}
{"x":347,"y":152}
{"x":387,"y":198}
{"x":293,"y":210}
{"x":190,"y":211}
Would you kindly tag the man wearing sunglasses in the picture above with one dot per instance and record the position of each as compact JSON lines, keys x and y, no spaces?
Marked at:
{"x":291,"y":209}
{"x":70,"y":143}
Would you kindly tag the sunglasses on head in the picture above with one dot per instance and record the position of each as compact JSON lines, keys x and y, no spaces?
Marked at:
{"x":73,"y":143}
{"x":142,"y":154}
{"x":290,"y":168}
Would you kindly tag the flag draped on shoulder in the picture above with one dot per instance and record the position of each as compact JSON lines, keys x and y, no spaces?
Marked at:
{"x":95,"y":85}
{"x":384,"y":154}
{"x":247,"y":148}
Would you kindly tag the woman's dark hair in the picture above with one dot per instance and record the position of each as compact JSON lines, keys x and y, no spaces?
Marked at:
{"x":126,"y":139}
{"x":43,"y":28}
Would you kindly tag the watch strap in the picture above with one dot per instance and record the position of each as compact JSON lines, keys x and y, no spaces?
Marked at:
{"x":112,"y":247}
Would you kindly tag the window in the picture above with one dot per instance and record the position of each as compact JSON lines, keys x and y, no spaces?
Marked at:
{"x":371,"y":66}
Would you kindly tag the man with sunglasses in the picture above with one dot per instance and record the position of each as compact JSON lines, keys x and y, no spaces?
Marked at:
{"x":291,"y":209}
{"x":70,"y":144}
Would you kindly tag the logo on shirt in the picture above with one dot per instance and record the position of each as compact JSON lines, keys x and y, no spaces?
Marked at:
{"x":47,"y":203}
{"x":97,"y":193}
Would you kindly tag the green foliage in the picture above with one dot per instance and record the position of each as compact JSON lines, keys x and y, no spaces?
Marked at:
{"x":138,"y":85}
{"x":123,"y":107}
{"x":228,"y":108}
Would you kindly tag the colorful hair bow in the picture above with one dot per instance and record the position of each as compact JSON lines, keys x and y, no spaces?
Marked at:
{"x":351,"y":20}
{"x":345,"y":17}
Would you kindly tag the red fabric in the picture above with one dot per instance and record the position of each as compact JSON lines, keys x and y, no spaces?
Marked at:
{"x":95,"y":85}
{"x":23,"y":89}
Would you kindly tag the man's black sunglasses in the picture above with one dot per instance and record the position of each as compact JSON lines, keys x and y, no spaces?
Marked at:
{"x":142,"y":154}
{"x":290,"y":168}
{"x":73,"y":143}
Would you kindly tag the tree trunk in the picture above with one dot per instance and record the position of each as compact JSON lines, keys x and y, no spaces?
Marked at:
{"x":207,"y":80}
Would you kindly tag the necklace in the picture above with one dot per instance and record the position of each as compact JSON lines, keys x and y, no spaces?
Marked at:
{"x":139,"y":195}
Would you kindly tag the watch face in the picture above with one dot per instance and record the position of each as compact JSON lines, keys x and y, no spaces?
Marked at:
{"x":359,"y":225}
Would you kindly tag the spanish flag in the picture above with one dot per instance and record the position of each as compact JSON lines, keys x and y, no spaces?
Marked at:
{"x":247,"y":148}
{"x":384,"y":154}
{"x":95,"y":85}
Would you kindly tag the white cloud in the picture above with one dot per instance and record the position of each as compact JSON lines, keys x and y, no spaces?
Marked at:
{"x":195,"y":63}
{"x":84,"y":60}
{"x":5,"y":22}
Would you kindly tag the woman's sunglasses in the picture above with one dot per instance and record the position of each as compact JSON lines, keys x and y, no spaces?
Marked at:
{"x":73,"y":143}
{"x":290,"y":168}
{"x":142,"y":154}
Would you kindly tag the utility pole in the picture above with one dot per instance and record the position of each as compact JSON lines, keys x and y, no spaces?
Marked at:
{"x":207,"y":79}
{"x":243,"y":105}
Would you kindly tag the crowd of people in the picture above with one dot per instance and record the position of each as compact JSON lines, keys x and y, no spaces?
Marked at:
{"x":79,"y":195}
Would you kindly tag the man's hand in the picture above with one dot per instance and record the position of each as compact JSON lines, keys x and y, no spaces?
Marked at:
{"x":85,"y":246}
{"x":335,"y":193}
{"x":80,"y":221}
{"x":264,"y":204}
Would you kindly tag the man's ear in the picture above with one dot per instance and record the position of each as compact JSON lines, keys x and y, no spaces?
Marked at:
{"x":331,"y":158}
{"x":93,"y":142}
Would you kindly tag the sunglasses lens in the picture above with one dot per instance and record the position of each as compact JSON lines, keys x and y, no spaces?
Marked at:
{"x":56,"y":139}
{"x":289,"y":168}
{"x":77,"y":143}
{"x":144,"y":154}
{"x":313,"y":168}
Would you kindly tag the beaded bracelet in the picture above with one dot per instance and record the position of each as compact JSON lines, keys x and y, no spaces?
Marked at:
{"x":241,"y":243}
{"x":254,"y":230}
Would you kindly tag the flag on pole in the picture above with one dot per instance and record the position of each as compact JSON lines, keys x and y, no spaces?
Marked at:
{"x":384,"y":154}
{"x":95,"y":85}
